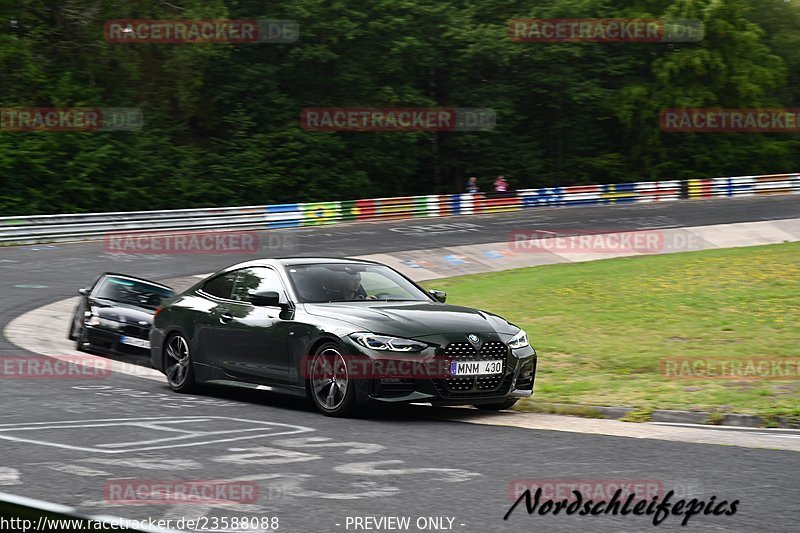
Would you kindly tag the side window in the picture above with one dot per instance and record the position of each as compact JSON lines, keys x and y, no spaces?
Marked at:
{"x":257,"y":279}
{"x":221,"y":286}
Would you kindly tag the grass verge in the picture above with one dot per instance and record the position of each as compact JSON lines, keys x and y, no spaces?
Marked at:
{"x":602,"y":328}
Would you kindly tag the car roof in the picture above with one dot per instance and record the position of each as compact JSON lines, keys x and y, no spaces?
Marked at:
{"x":288,"y":261}
{"x":292,"y":261}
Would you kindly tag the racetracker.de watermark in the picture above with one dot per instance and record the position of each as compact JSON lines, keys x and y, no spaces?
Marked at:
{"x":201,"y":31}
{"x":171,"y":492}
{"x":70,"y":119}
{"x":730,"y":367}
{"x":398,"y":119}
{"x":560,"y":241}
{"x":755,"y":120}
{"x":198,"y":242}
{"x":394,"y":368}
{"x":55,"y":367}
{"x":608,"y":30}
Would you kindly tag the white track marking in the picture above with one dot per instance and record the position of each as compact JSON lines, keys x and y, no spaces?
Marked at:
{"x":373,"y":468}
{"x":322,"y":442}
{"x":146,"y":463}
{"x":9,"y":476}
{"x":251,"y":429}
{"x":76,"y":470}
{"x":262,"y":455}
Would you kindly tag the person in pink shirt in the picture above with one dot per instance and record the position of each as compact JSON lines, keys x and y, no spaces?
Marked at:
{"x":500,"y":184}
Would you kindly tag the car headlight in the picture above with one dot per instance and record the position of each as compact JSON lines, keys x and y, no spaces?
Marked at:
{"x":385,"y":343}
{"x":91,"y":319}
{"x":520,"y":340}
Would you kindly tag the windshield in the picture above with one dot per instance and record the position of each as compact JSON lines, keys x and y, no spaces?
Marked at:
{"x":131,"y":291}
{"x":352,"y":282}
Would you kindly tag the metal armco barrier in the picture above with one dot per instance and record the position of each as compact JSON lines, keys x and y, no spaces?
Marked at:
{"x":744,"y":186}
{"x":70,"y":227}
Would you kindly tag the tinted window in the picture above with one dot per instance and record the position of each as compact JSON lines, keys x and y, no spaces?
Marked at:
{"x":258,"y":279}
{"x":221,"y":286}
{"x":131,"y":291}
{"x":348,"y":282}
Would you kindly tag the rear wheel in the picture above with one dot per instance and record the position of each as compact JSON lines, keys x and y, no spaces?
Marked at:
{"x":178,"y":364}
{"x":330,"y":386}
{"x":508,"y":404}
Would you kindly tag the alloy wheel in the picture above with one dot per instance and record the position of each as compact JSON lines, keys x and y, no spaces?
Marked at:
{"x":177,"y":366}
{"x":329,"y":379}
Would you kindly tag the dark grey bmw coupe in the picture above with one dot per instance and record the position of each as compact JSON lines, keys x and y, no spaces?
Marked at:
{"x":342,"y":332}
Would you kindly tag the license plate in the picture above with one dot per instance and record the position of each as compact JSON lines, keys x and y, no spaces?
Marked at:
{"x":475,"y":368}
{"x":133,"y":341}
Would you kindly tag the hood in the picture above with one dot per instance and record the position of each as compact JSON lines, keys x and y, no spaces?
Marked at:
{"x":122,"y":312}
{"x":411,"y":319}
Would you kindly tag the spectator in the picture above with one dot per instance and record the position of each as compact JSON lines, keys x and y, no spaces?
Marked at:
{"x":472,"y":185}
{"x":500,"y":184}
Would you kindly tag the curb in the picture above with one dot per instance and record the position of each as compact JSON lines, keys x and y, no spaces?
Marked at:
{"x":630,"y":414}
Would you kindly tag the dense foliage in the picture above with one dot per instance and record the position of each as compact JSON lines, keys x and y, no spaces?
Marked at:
{"x":221,"y":121}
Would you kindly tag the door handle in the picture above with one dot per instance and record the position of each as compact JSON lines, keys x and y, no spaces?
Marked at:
{"x":225,"y":318}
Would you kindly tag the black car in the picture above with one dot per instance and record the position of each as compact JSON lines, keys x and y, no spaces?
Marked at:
{"x":115,"y":313}
{"x":342,"y":332}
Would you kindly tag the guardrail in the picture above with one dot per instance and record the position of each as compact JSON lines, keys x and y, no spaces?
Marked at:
{"x":52,"y":228}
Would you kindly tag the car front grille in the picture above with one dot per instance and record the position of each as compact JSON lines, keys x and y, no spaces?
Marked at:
{"x":135,"y":330}
{"x":472,"y":385}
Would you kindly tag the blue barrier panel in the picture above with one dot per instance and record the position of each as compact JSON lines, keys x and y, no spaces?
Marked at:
{"x":455,"y":204}
{"x":283,"y":215}
{"x":546,"y":196}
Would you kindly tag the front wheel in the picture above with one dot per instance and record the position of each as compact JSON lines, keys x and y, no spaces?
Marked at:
{"x":330,"y":385}
{"x":178,"y":364}
{"x":80,"y":339}
{"x":502,"y":406}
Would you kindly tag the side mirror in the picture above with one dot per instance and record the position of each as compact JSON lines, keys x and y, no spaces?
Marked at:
{"x":268,"y":299}
{"x":440,"y":296}
{"x":265,"y":299}
{"x":83,"y":292}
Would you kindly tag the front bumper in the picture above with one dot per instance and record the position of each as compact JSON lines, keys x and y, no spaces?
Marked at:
{"x":401,"y":377}
{"x":108,"y":341}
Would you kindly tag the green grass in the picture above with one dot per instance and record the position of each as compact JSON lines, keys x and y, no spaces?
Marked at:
{"x":602,"y":327}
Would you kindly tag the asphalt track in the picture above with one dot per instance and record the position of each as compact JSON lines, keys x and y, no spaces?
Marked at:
{"x":64,"y":440}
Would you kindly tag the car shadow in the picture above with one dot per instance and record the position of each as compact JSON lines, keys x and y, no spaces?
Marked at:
{"x":137,"y":360}
{"x":380,"y":413}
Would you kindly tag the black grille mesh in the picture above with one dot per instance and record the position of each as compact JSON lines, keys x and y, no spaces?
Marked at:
{"x":464,"y":351}
{"x":135,"y":330}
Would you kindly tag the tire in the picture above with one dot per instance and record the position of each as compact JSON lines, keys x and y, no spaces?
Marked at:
{"x":178,"y":365}
{"x":508,"y":404}
{"x":329,"y":384}
{"x":80,"y":339}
